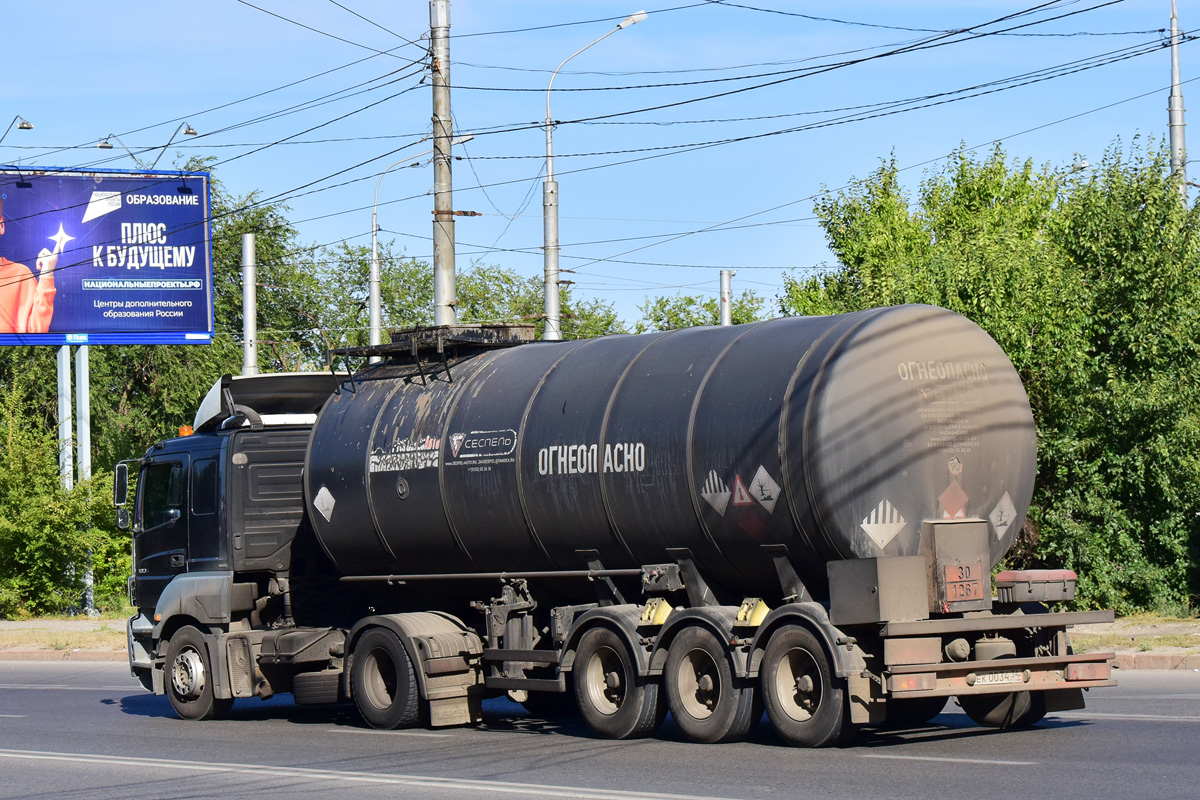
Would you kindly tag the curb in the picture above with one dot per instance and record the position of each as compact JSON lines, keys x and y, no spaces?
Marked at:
{"x":1189,"y":661}
{"x":63,"y":655}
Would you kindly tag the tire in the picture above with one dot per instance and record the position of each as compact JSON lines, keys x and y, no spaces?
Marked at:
{"x":705,"y":697}
{"x":906,"y":713}
{"x":189,"y":678}
{"x":382,"y":681}
{"x":805,"y":706}
{"x":1013,"y":710}
{"x":613,"y":700}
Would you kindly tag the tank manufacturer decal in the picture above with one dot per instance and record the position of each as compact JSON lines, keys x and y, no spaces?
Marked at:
{"x":324,"y":503}
{"x":764,"y":490}
{"x":584,"y":459}
{"x":479,"y":448}
{"x":883,"y":523}
{"x":407,"y":454}
{"x":716,"y":492}
{"x":741,"y":497}
{"x":1003,"y":515}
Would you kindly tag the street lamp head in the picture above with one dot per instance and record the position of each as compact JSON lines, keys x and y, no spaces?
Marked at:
{"x":189,"y":130}
{"x":24,"y":124}
{"x":105,"y":144}
{"x":632,"y":19}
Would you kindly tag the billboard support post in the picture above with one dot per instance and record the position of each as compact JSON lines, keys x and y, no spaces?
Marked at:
{"x":83,"y":454}
{"x":66,"y":463}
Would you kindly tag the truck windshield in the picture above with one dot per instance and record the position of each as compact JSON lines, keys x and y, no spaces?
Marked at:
{"x":162,"y":495}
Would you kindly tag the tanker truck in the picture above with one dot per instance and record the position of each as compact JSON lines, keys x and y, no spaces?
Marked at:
{"x":803,"y":515}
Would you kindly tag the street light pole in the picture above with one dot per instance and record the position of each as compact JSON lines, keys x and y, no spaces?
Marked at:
{"x":25,"y":125}
{"x":187,"y":130}
{"x":553,"y":308}
{"x":374,"y":304}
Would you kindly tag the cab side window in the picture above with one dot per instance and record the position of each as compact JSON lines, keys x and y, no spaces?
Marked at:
{"x":204,"y":486}
{"x":162,"y":494}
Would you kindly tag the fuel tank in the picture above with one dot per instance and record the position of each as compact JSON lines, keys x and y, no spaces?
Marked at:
{"x":835,"y":436}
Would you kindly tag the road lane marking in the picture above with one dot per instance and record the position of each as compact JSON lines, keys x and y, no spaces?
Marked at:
{"x":422,"y":781}
{"x":392,"y":733}
{"x":1135,"y":717}
{"x":61,"y":688}
{"x":954,"y":760}
{"x":13,"y":716}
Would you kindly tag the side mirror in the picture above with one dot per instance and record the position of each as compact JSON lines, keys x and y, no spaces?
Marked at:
{"x":121,"y":488}
{"x":123,"y":522}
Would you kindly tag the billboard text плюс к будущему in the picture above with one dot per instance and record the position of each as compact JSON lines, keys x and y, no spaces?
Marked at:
{"x":104,"y":257}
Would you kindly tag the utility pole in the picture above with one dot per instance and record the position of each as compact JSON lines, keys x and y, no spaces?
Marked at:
{"x":727,"y":297}
{"x":443,"y":201}
{"x":249,"y":307}
{"x":1175,"y":111}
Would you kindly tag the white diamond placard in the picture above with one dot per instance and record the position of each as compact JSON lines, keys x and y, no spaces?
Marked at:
{"x":883,"y":523}
{"x":1003,"y":516}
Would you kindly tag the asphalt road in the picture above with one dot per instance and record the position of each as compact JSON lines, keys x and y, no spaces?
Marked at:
{"x":84,"y":730}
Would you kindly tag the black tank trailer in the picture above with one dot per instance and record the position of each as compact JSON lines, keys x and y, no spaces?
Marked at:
{"x":802,"y":514}
{"x":832,"y":436}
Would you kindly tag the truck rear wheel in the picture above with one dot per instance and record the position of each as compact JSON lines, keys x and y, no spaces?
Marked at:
{"x":913,"y":711}
{"x":803,"y":704}
{"x":189,"y":677}
{"x":702,"y":690}
{"x":1013,"y":710}
{"x":613,"y":700}
{"x":383,"y":682}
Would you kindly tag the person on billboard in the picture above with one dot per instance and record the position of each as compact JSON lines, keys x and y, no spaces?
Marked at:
{"x":26,"y":302}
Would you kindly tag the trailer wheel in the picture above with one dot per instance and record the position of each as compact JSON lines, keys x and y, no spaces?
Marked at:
{"x":804,"y":705}
{"x":702,"y":691}
{"x":1013,"y":710}
{"x":189,"y":677}
{"x":383,"y":682}
{"x":613,"y":700}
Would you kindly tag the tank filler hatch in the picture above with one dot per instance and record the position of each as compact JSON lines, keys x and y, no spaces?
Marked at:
{"x":432,"y":350}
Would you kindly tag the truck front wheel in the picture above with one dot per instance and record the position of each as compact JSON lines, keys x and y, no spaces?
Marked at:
{"x":383,"y":681}
{"x":803,"y":703}
{"x":189,"y":677}
{"x":613,"y":700}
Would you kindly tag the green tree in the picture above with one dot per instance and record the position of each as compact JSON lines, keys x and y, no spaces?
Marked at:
{"x":46,"y":532}
{"x":1087,"y":282}
{"x":664,"y":313}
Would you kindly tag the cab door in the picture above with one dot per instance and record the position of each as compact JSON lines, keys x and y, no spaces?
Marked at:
{"x":160,"y":542}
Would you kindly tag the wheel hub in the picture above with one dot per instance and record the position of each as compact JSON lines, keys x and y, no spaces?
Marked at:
{"x":796,"y":685}
{"x":187,"y":674}
{"x":603,"y":679}
{"x":699,"y":684}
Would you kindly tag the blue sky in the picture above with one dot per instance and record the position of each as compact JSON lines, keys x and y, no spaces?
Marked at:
{"x":639,"y":215}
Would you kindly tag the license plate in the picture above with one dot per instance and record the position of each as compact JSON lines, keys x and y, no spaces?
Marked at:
{"x":964,"y":582}
{"x":994,"y":678}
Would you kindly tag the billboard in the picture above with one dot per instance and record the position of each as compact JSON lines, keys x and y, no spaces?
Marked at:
{"x":104,"y":257}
